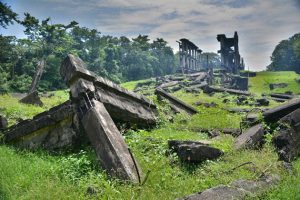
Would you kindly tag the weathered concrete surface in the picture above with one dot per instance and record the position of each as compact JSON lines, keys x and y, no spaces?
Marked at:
{"x":32,"y":98}
{"x":237,"y":190}
{"x":120,"y":103}
{"x":176,"y":102}
{"x":169,"y":84}
{"x":53,"y":129}
{"x":108,"y":143}
{"x":287,"y":139}
{"x":282,"y":96}
{"x":98,"y":101}
{"x":279,"y":99}
{"x":230,"y":91}
{"x":193,"y":151}
{"x":274,"y":114}
{"x":262,"y":102}
{"x":252,"y":138}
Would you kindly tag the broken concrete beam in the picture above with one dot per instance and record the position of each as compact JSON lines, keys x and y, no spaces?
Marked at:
{"x":252,"y":138}
{"x":122,"y":104}
{"x":193,"y":151}
{"x":282,"y":96}
{"x":168,"y":84}
{"x":274,"y":114}
{"x":279,"y":99}
{"x":230,"y":91}
{"x":53,"y":129}
{"x":32,"y":98}
{"x":109,"y":144}
{"x":287,"y":139}
{"x":176,"y":102}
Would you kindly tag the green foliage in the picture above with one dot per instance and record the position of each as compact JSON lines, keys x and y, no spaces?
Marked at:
{"x":7,"y":16}
{"x":286,"y":55}
{"x":68,"y":175}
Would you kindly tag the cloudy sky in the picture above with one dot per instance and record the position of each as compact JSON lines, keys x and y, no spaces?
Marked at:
{"x":261,"y":24}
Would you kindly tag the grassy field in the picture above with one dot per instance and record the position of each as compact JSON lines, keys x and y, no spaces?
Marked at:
{"x":68,"y":175}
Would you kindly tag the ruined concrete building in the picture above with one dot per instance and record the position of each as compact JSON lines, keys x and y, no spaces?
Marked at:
{"x":189,"y":56}
{"x":230,"y":57}
{"x":95,"y":104}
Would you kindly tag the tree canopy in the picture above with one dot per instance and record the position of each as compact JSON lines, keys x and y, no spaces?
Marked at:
{"x":116,"y":58}
{"x":286,"y":55}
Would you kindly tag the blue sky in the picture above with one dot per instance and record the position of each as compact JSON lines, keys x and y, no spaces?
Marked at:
{"x":261,"y":24}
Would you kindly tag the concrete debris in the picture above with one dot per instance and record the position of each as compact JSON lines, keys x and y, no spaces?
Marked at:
{"x":193,"y":151}
{"x":176,"y":102}
{"x":54,"y":129}
{"x":33,"y":99}
{"x":282,"y":96}
{"x":252,"y":138}
{"x":262,"y":102}
{"x":274,"y":114}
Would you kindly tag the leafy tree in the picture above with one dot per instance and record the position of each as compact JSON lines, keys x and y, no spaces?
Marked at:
{"x":7,"y":16}
{"x":286,"y":55}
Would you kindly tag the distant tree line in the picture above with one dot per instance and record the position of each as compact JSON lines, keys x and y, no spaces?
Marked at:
{"x":117,"y":58}
{"x":286,"y":55}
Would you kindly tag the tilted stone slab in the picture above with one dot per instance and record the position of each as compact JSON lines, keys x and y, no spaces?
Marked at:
{"x":108,"y":143}
{"x":120,"y":103}
{"x":252,"y":138}
{"x":97,"y":101}
{"x":282,"y":96}
{"x":176,"y":102}
{"x":230,"y":91}
{"x":274,"y":114}
{"x":52,"y":129}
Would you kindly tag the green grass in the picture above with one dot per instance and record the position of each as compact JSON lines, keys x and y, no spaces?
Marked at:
{"x":260,"y":83}
{"x":67,"y":175}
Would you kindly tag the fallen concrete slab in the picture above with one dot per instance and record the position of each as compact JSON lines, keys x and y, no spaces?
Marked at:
{"x":279,"y":99}
{"x":168,"y":84}
{"x":274,"y":114}
{"x":53,"y":129}
{"x":176,"y":102}
{"x":252,"y":138}
{"x":97,"y":101}
{"x":282,"y":96}
{"x":230,"y":91}
{"x":108,"y":143}
{"x":121,"y":104}
{"x":287,"y":139}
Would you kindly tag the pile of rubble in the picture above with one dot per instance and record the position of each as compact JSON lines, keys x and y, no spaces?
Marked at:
{"x":95,"y":104}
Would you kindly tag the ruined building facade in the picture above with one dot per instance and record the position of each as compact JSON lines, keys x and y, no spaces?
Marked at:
{"x":231,"y":60}
{"x":189,"y":55}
